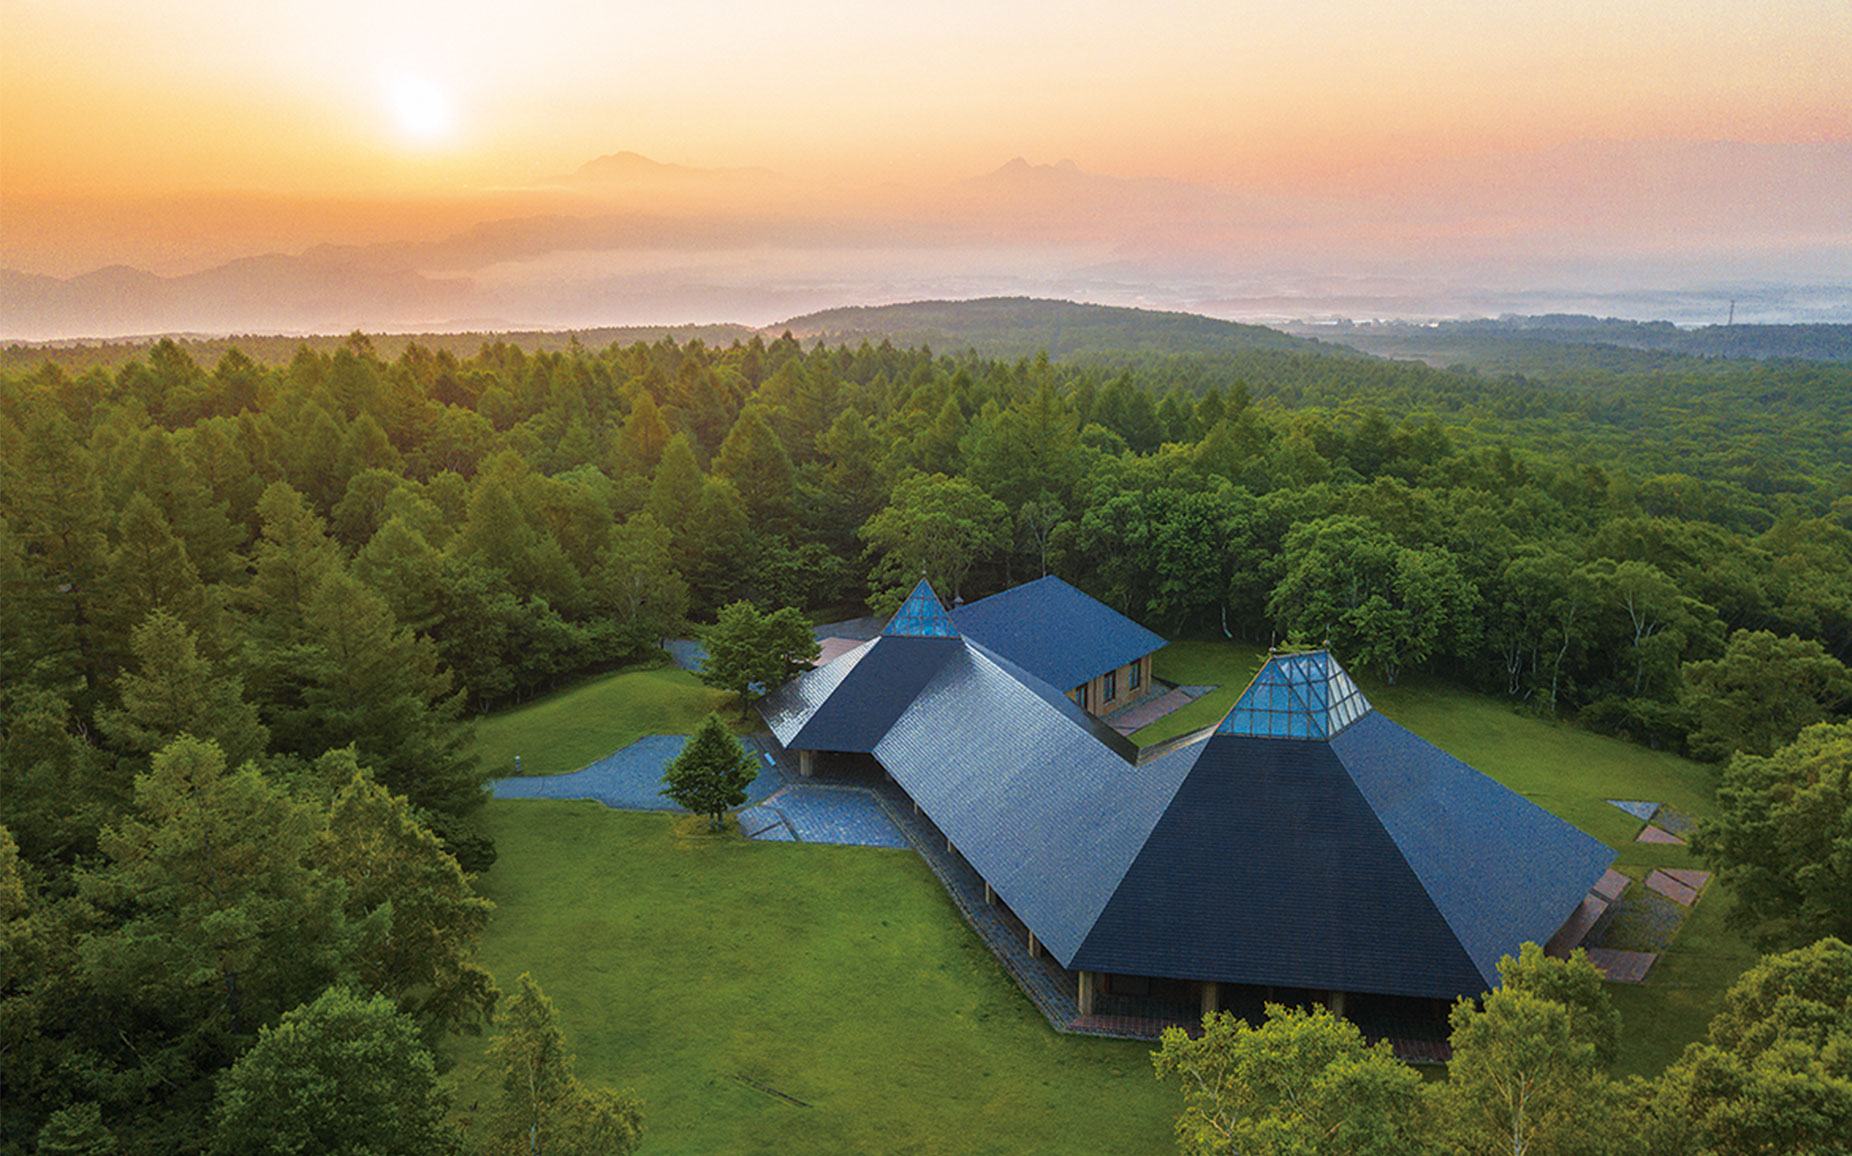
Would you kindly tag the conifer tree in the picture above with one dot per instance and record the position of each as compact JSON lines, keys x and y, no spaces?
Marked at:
{"x":711,"y":772}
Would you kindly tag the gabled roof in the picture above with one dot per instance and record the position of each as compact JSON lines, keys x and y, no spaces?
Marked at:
{"x":848,"y":704}
{"x":1055,"y":632}
{"x":1017,"y":778}
{"x":1299,"y":696}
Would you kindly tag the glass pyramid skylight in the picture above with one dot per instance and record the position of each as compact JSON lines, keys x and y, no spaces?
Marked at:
{"x":1297,"y":696}
{"x":921,"y":616}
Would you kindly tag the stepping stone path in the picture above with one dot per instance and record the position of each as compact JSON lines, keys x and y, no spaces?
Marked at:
{"x":1611,"y":884}
{"x":1622,"y":966}
{"x":1675,"y":884}
{"x":1639,"y":810}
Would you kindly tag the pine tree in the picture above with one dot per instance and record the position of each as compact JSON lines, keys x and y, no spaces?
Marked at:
{"x":391,"y":862}
{"x":175,"y":691}
{"x":710,"y":774}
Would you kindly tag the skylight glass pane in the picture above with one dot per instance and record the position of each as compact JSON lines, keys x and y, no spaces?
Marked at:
{"x":1306,"y":696}
{"x":921,"y":616}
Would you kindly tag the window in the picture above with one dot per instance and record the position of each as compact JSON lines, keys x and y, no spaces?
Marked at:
{"x":1109,"y":686}
{"x":1133,"y":682}
{"x":1080,"y":695}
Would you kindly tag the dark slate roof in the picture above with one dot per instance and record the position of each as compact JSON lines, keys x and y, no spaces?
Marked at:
{"x":1269,"y":869}
{"x":1049,"y":816}
{"x":848,"y":704}
{"x":1055,"y":632}
{"x":921,"y":616}
{"x":1500,"y":869}
{"x":1371,"y":862}
{"x":1299,"y":696}
{"x":1345,"y":854}
{"x":1119,"y":744}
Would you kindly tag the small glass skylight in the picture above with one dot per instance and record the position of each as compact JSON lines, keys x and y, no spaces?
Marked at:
{"x":921,"y":616}
{"x":1297,"y":696}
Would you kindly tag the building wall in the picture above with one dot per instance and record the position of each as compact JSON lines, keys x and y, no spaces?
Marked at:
{"x":1123,"y":692}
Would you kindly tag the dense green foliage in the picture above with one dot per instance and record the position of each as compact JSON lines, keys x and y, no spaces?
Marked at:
{"x":1784,"y":838}
{"x":1775,"y":1076}
{"x":249,"y":607}
{"x":341,"y":1075}
{"x":1301,"y":1082}
{"x":750,"y":653}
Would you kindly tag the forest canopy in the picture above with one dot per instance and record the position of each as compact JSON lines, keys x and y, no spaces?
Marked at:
{"x":269,"y":595}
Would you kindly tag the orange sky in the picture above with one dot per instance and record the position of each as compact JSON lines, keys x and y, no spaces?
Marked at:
{"x":176,"y":135}
{"x":101,"y":97}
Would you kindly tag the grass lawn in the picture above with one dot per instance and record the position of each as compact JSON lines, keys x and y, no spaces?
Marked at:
{"x":841,"y":976}
{"x":1568,"y":772}
{"x":571,"y":728}
{"x":1227,"y":666}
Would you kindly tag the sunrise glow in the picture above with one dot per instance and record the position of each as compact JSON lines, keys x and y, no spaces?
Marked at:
{"x":1313,"y":136}
{"x":423,"y":112}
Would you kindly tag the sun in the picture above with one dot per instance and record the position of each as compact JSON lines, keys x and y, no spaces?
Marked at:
{"x":423,"y":113}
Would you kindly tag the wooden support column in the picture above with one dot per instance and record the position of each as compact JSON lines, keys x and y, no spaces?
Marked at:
{"x":1212,"y":997}
{"x":806,"y":763}
{"x":1336,"y":1003}
{"x":1035,"y":947}
{"x":1086,"y":993}
{"x":989,"y":895}
{"x":948,"y":844}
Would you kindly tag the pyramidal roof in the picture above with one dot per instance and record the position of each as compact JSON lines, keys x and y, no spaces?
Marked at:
{"x":921,"y":616}
{"x":1297,"y":696}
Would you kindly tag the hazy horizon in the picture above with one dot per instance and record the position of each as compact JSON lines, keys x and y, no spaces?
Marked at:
{"x":572,"y":166}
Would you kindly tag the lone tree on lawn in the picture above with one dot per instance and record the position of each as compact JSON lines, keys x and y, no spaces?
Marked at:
{"x":712,"y":772}
{"x":746,"y":648}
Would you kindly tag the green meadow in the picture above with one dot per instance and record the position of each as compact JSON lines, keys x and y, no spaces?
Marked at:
{"x":709,"y":973}
{"x":685,"y":964}
{"x":569,"y":728}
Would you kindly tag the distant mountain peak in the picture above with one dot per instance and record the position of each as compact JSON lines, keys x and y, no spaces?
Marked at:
{"x":621,"y":163}
{"x":1019,"y":168}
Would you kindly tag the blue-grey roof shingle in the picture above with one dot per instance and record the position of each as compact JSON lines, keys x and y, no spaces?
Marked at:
{"x":1055,"y":632}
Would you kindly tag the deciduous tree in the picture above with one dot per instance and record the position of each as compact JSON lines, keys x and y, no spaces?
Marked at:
{"x":1774,"y":1078}
{"x":543,"y":1109}
{"x":1783,"y":838}
{"x":935,"y":524}
{"x":1761,"y":693}
{"x":344,"y":1074}
{"x":748,"y":649}
{"x":1523,"y":1079}
{"x":1303,"y":1082}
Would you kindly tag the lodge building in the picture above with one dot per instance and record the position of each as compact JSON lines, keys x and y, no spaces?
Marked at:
{"x":1305,"y":844}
